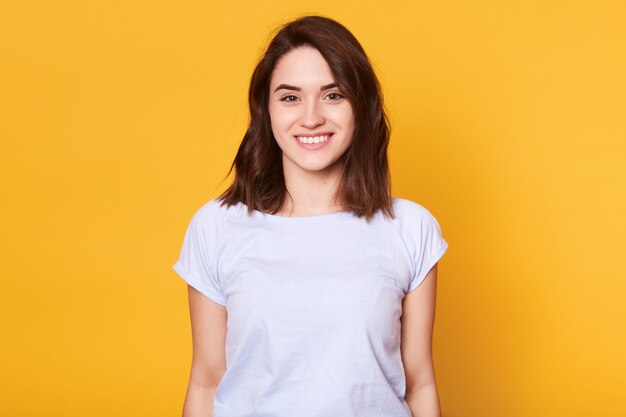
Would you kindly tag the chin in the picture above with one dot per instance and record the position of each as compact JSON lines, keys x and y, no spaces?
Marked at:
{"x":319,"y":167}
{"x":311,"y":164}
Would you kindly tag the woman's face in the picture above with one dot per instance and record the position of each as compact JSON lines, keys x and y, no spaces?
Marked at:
{"x":306,"y":106}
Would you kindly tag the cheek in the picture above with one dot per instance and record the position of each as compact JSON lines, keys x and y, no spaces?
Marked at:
{"x":345,"y":114}
{"x":279,"y":118}
{"x":348,"y":119}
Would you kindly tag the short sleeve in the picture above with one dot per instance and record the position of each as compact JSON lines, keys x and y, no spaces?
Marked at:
{"x":195,"y":263}
{"x":429,"y":248}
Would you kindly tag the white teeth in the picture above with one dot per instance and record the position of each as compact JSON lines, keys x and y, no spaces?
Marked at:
{"x":313,"y":139}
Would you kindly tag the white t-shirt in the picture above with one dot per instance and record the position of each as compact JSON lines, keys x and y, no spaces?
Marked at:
{"x":314,"y":306}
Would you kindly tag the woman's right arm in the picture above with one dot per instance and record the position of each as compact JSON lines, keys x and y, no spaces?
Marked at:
{"x":208,"y":328}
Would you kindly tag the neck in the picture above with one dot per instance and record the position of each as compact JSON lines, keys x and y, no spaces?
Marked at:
{"x":311,"y":193}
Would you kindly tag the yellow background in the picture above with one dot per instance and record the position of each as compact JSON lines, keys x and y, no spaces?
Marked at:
{"x":118,"y":119}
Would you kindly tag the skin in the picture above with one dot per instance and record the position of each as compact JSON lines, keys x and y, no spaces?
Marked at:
{"x":208,"y":328}
{"x":311,"y":177}
{"x":417,"y":322}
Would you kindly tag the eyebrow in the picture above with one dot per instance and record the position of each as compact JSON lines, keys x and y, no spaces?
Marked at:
{"x":293,"y":88}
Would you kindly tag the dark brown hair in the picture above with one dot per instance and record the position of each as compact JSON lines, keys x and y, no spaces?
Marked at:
{"x":365,"y":183}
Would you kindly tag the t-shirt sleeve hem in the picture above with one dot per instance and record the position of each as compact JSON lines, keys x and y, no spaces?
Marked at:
{"x":197,"y":283}
{"x":427,"y":267}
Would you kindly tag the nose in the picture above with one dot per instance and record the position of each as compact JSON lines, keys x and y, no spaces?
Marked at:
{"x":311,"y":116}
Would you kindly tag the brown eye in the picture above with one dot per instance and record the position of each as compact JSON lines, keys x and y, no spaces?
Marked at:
{"x":289,"y":98}
{"x":335,"y":96}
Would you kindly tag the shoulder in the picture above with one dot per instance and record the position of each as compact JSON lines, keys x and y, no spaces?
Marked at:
{"x":213,"y":212}
{"x":420,"y":231}
{"x":414,"y":219}
{"x":408,"y":210}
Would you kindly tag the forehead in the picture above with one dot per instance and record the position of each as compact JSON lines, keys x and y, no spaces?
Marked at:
{"x":302,"y":67}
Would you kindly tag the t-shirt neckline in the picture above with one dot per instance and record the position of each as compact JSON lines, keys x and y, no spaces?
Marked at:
{"x":315,"y":217}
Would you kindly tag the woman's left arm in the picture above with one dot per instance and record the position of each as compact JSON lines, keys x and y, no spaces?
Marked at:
{"x":418,"y":317}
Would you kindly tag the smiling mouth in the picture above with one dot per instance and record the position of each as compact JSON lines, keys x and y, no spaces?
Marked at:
{"x":314,"y":139}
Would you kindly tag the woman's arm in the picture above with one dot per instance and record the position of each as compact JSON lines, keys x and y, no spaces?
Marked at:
{"x":418,"y":317}
{"x":208,"y":328}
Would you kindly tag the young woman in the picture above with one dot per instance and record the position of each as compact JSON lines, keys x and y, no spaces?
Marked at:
{"x":311,"y":288}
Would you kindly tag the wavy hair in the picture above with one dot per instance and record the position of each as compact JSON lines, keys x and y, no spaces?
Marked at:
{"x":365,"y":182}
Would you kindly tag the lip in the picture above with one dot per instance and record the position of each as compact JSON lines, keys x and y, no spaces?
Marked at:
{"x":314,"y":146}
{"x":312,"y":135}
